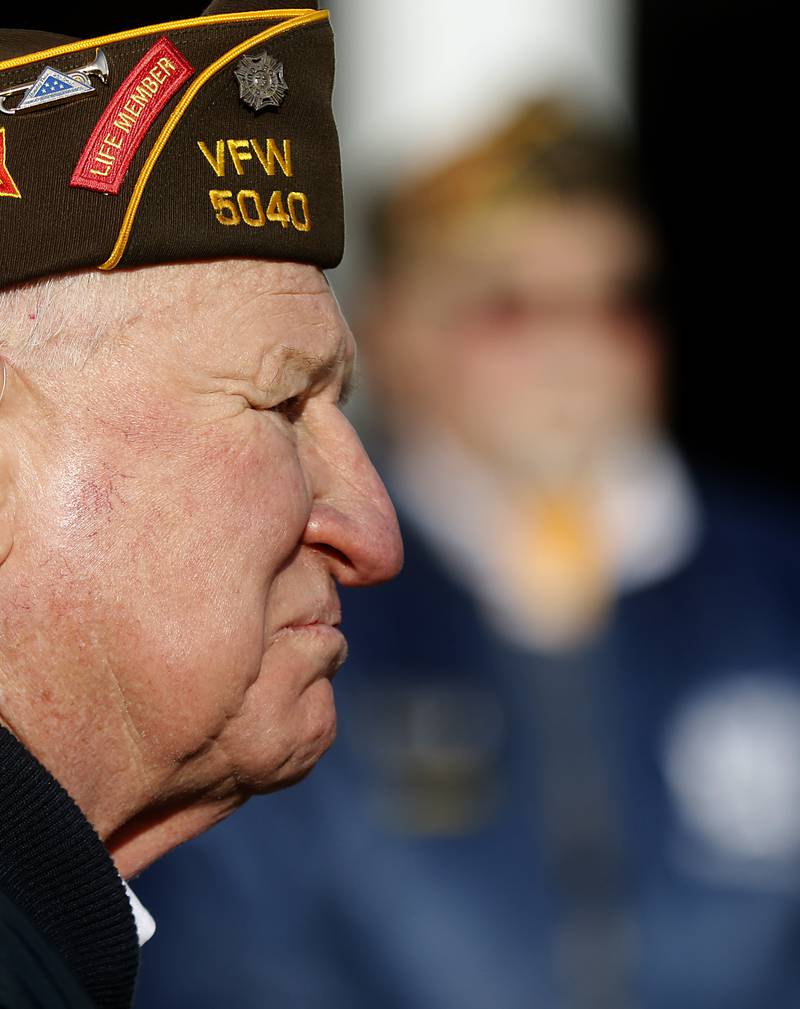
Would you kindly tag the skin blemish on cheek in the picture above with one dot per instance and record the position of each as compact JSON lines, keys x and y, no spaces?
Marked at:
{"x":99,"y":494}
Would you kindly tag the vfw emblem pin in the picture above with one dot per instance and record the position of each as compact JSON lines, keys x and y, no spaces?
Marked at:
{"x":261,"y":81}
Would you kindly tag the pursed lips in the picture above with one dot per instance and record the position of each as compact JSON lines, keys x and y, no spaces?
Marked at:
{"x":322,"y":621}
{"x":328,"y":618}
{"x":315,"y":622}
{"x":320,"y":612}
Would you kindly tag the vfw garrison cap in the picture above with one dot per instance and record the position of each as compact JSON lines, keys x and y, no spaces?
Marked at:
{"x":196,"y":139}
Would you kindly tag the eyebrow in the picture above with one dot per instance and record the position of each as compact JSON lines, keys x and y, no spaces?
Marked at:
{"x":317,"y":368}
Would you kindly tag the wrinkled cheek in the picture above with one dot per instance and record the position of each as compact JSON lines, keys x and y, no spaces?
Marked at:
{"x":233,"y":512}
{"x":191,"y":554}
{"x":242,"y":514}
{"x":249,"y":494}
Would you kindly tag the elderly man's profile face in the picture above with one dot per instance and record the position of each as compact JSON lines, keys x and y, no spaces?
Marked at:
{"x":180,"y":509}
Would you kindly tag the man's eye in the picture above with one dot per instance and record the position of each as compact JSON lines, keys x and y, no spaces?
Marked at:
{"x":291,"y":408}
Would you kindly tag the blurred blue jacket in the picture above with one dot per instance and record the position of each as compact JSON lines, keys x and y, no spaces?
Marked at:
{"x":499,"y":829}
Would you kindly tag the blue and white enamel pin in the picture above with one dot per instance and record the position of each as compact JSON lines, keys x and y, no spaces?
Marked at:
{"x":53,"y":85}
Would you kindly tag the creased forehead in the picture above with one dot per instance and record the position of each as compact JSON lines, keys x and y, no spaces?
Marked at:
{"x":69,"y":316}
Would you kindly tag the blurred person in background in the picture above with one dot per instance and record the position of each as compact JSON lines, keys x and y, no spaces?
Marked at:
{"x":568,"y":771}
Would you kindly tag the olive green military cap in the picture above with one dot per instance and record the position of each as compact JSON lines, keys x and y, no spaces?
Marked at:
{"x":196,"y":139}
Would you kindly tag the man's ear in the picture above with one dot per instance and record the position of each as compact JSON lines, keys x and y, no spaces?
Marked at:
{"x":7,"y":500}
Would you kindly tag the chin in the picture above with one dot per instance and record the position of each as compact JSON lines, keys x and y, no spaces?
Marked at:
{"x":312,"y":733}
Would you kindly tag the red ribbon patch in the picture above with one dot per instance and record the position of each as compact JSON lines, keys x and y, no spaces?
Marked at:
{"x":123,"y":126}
{"x":7,"y":185}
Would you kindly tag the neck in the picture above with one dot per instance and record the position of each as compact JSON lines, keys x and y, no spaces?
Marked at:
{"x":86,"y":747}
{"x":155,"y":831}
{"x":133,"y":815}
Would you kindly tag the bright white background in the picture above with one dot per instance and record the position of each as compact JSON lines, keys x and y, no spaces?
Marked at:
{"x":417,"y":79}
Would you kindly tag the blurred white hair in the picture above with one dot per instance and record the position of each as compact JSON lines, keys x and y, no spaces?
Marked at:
{"x":61,"y":321}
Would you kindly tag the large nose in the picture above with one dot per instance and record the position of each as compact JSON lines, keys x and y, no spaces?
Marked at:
{"x":352,"y":521}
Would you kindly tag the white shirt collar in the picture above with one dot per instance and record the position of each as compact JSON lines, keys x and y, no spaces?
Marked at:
{"x":145,"y":923}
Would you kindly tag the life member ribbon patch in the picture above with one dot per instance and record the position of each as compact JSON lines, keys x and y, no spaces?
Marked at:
{"x":121,"y":129}
{"x":7,"y":185}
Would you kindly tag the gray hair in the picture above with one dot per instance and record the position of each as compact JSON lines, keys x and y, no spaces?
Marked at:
{"x":61,"y":321}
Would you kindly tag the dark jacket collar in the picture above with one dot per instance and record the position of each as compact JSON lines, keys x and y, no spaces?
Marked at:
{"x":55,"y":868}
